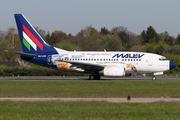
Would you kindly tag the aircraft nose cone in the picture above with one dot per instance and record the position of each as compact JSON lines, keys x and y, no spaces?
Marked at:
{"x":171,"y":65}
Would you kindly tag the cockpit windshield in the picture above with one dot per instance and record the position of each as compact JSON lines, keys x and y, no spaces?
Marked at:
{"x":163,"y":59}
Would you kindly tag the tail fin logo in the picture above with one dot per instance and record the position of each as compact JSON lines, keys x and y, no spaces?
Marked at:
{"x":30,"y":40}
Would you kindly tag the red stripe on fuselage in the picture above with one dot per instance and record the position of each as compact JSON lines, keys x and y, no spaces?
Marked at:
{"x":33,"y":38}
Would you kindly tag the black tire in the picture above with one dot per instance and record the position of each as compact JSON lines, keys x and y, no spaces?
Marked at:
{"x":153,"y":78}
{"x":91,"y":77}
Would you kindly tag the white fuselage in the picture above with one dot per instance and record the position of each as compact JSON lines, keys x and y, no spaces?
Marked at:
{"x":133,"y":62}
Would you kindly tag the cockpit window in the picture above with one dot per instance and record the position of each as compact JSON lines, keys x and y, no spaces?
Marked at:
{"x":163,"y":59}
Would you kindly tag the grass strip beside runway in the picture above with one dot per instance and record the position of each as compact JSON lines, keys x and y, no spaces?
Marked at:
{"x":86,"y":88}
{"x":56,"y":110}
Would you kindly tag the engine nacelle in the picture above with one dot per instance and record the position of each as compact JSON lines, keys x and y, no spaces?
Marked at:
{"x":114,"y":71}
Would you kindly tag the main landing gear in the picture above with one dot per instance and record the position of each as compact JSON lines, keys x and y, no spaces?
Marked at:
{"x":94,"y":77}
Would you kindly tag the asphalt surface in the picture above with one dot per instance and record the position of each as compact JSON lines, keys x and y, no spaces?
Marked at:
{"x":115,"y":100}
{"x":86,"y":78}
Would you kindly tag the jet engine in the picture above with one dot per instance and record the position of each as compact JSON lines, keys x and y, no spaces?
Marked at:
{"x":114,"y":71}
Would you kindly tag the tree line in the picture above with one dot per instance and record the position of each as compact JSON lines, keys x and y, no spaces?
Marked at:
{"x":89,"y":39}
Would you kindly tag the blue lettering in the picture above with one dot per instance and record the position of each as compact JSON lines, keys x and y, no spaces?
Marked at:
{"x":128,"y":55}
{"x":125,"y":56}
{"x":135,"y":55}
{"x":141,"y":55}
{"x":117,"y":55}
{"x":131,"y":56}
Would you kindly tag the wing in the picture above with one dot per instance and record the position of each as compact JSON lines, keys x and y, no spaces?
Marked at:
{"x":88,"y":67}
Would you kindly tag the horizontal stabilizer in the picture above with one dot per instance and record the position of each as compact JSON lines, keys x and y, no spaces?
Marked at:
{"x":22,"y":54}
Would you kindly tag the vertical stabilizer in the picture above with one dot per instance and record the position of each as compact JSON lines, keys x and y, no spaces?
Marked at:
{"x":31,"y":41}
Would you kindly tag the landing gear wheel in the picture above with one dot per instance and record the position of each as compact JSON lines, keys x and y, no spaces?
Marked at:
{"x":91,"y":77}
{"x":154,"y":78}
{"x":94,"y":77}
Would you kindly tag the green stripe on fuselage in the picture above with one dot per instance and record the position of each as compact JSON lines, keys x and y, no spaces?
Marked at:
{"x":27,"y":44}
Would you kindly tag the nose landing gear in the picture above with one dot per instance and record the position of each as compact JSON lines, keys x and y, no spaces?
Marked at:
{"x":154,"y":77}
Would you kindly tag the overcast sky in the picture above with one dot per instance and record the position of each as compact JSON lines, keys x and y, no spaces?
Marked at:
{"x":70,"y":16}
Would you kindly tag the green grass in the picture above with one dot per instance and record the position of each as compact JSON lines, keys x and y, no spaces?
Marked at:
{"x":56,"y":110}
{"x":86,"y":88}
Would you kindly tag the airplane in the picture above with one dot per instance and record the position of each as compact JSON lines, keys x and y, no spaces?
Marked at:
{"x":97,"y":63}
